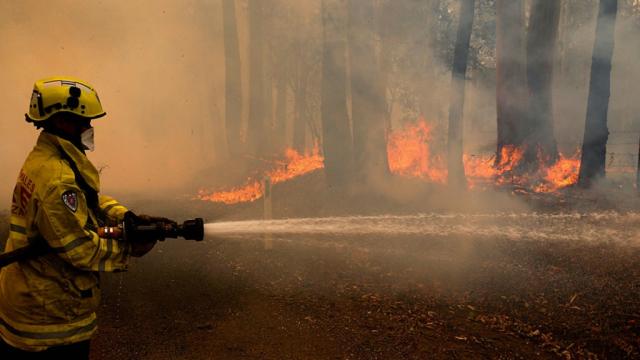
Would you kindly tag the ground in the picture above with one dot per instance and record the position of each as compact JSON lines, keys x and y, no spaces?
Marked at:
{"x":506,"y":285}
{"x":398,"y":297}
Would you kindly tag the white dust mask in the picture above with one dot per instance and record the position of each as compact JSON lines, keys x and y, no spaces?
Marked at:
{"x":86,"y":138}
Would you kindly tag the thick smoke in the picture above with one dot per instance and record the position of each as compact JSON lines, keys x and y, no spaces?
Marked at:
{"x":157,"y":67}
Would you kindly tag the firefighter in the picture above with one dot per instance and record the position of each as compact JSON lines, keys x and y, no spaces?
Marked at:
{"x":48,"y":303}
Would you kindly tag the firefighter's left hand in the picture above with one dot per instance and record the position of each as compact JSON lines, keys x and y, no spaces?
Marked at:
{"x":148,"y":219}
{"x":141,"y":248}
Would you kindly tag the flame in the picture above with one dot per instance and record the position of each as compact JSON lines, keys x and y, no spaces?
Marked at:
{"x":409,"y":154}
{"x":561,"y":174}
{"x":482,"y":169}
{"x":297,"y":165}
{"x":249,"y":192}
{"x":293,"y":166}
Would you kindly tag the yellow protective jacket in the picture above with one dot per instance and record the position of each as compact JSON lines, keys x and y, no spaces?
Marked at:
{"x":52,"y":299}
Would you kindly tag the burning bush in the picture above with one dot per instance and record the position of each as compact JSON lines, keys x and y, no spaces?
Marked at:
{"x":410,"y":154}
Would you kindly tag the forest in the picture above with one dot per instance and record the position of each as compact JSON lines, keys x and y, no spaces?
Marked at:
{"x":461,"y":93}
{"x":378,"y":179}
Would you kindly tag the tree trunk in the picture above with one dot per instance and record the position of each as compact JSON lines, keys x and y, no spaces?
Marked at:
{"x":456,"y":104}
{"x":233,"y":84}
{"x":388,"y":19}
{"x":335,"y":122}
{"x":280,"y":121}
{"x":299,"y":120}
{"x":638,"y":170}
{"x":541,"y":50}
{"x":368,"y":101}
{"x":594,"y":146}
{"x":429,"y":105}
{"x":268,"y":139}
{"x":510,"y":74}
{"x":256,"y":126}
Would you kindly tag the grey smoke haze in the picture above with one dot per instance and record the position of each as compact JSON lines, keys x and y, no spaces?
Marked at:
{"x":155,"y":64}
{"x":158,"y":67}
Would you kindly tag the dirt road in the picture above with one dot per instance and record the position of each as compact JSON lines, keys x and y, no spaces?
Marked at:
{"x":443,"y":295}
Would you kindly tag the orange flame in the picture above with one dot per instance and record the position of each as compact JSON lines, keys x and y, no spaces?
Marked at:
{"x":293,"y":166}
{"x":409,"y":154}
{"x":561,"y":174}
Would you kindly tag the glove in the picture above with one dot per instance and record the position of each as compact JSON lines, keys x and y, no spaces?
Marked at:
{"x":133,"y":221}
{"x":148,"y":220}
{"x":140,"y":248}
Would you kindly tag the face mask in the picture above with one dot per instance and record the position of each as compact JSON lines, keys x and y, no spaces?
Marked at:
{"x":86,"y":138}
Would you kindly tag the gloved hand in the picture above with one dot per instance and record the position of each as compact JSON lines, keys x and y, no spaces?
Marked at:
{"x":148,"y":219}
{"x":140,"y":248}
{"x":132,"y":222}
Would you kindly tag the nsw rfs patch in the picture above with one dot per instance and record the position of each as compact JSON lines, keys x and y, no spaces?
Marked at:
{"x":70,"y":199}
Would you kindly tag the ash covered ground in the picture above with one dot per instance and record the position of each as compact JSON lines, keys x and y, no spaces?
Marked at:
{"x":558,"y":279}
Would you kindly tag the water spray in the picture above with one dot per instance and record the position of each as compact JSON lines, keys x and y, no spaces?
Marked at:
{"x":579,"y":227}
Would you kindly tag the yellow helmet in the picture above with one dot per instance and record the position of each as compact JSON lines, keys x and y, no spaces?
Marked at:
{"x":63,"y":94}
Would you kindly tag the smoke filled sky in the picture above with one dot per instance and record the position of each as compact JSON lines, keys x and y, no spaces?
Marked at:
{"x":155,"y":64}
{"x":158,"y":67}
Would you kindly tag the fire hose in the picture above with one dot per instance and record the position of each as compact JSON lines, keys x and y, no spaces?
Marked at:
{"x":127,"y":230}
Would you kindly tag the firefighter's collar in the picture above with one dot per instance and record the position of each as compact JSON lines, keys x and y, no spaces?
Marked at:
{"x":87,"y":170}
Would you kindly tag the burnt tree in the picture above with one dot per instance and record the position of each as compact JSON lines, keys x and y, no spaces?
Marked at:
{"x":299,"y":112}
{"x":336,"y":134}
{"x":456,"y":104}
{"x":268,"y":144}
{"x":257,"y":107}
{"x":233,"y":84}
{"x":368,"y":102}
{"x":541,"y":48}
{"x":511,"y":97}
{"x":596,"y":133}
{"x":280,"y":116}
{"x":387,"y":23}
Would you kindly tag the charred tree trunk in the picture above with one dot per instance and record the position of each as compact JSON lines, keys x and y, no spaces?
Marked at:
{"x":387,"y":28}
{"x":280,"y":121}
{"x":268,"y":106}
{"x":510,"y":74}
{"x":299,"y":120}
{"x":456,"y":105}
{"x":233,"y":84}
{"x":368,"y":101}
{"x":541,"y":50}
{"x":429,"y":105}
{"x":336,"y":134}
{"x":596,"y":133}
{"x":638,"y":170}
{"x":256,"y":125}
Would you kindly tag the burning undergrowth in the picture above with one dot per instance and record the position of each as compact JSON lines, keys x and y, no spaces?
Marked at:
{"x":293,"y":165}
{"x":411,"y":155}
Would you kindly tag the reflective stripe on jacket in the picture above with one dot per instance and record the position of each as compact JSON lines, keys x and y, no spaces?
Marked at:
{"x":52,"y":300}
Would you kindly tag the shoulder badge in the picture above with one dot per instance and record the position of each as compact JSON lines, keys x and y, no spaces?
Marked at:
{"x":70,"y":199}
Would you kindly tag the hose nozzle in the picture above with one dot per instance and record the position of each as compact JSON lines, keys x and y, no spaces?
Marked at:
{"x":189,"y":230}
{"x":192,"y":229}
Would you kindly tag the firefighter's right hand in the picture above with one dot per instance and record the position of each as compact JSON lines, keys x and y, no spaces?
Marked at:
{"x":141,"y":248}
